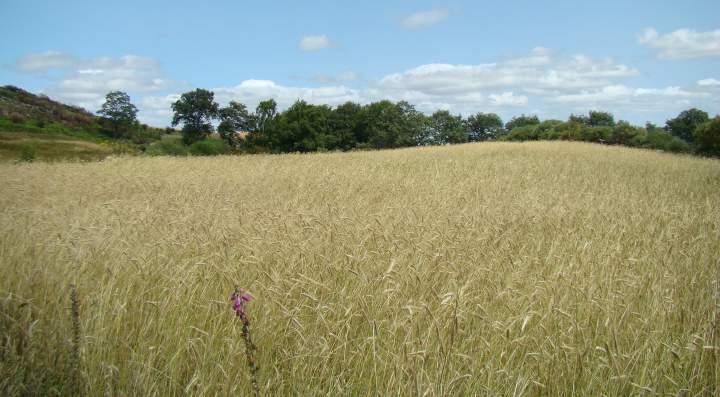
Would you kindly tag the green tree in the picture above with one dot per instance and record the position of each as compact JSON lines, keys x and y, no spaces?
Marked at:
{"x":195,"y":110}
{"x":446,"y":128}
{"x":520,"y":121}
{"x":624,"y":133}
{"x":390,"y":125}
{"x":594,"y":118}
{"x":302,"y":128}
{"x":265,"y":112}
{"x":233,"y":118}
{"x":119,"y":112}
{"x":707,"y":137}
{"x":346,"y":125}
{"x":484,"y":126}
{"x":579,"y":118}
{"x":600,"y":119}
{"x":684,"y":125}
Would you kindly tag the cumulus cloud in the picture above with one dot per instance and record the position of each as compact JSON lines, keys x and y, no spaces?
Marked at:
{"x":425,"y":19}
{"x":156,"y":110}
{"x":313,"y":43}
{"x":682,"y":43}
{"x":547,"y":80}
{"x":709,"y":83}
{"x":251,"y":92}
{"x":460,"y":88}
{"x":551,"y":82}
{"x":44,"y":62}
{"x":537,"y":73}
{"x":85,"y":82}
{"x":620,"y":96}
{"x":508,"y":99}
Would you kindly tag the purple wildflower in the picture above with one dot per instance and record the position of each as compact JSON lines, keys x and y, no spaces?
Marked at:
{"x":238,"y":298}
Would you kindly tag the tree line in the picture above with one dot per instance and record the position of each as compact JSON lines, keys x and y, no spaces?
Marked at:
{"x":305,"y":127}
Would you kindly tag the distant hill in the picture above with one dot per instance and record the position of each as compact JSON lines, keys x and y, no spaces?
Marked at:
{"x":21,"y":107}
{"x":35,"y":126}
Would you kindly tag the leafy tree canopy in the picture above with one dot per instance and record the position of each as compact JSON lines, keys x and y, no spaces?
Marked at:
{"x":520,"y":121}
{"x":484,"y":126}
{"x":233,"y":118}
{"x":120,"y":112}
{"x":684,"y":125}
{"x":707,"y":137}
{"x":195,"y":110}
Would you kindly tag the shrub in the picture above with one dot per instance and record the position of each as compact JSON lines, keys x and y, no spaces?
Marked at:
{"x":170,"y":145}
{"x":544,"y":129}
{"x":707,"y":137}
{"x":17,"y":118}
{"x":639,"y":139}
{"x":596,"y":134}
{"x":524,"y":133}
{"x":28,"y":152}
{"x":624,"y":132}
{"x":569,"y":131}
{"x":209,"y":147}
{"x":145,"y":135}
{"x":677,"y":145}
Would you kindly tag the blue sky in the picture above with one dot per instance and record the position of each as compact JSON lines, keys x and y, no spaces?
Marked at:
{"x":642,"y":60}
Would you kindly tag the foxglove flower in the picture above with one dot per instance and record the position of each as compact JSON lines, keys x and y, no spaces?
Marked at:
{"x":238,"y":298}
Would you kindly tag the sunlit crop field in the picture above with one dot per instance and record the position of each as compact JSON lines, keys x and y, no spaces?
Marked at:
{"x":481,"y":269}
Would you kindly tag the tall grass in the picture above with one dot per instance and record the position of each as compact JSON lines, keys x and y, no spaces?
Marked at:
{"x":482,"y":269}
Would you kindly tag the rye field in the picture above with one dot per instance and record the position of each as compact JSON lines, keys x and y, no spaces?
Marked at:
{"x":499,"y":269}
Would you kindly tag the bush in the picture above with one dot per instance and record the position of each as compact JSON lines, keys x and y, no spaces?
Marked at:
{"x":570,"y":130}
{"x":659,"y":139}
{"x":624,"y":132}
{"x":17,"y":118}
{"x":209,"y":147}
{"x":145,"y":135}
{"x":169,"y":145}
{"x":524,"y":133}
{"x":544,"y":129}
{"x":677,"y":145}
{"x":28,"y":152}
{"x":596,"y":134}
{"x":707,"y":137}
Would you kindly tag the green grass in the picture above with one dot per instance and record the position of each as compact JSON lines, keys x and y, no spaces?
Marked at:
{"x":54,"y":129}
{"x":50,"y":147}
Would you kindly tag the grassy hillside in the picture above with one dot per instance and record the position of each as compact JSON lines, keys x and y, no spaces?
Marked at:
{"x":48,"y":147}
{"x":482,"y":269}
{"x":19,"y":106}
{"x":55,"y":131}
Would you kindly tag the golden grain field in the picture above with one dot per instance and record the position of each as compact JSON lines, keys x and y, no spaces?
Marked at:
{"x":482,"y":269}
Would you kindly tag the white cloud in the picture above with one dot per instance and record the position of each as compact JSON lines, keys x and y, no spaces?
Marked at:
{"x":424,"y":19}
{"x":313,"y":43}
{"x":460,"y":88}
{"x":85,"y":82}
{"x":709,"y":83}
{"x":156,"y":110}
{"x":508,"y":99}
{"x":90,"y":71}
{"x":537,"y":73}
{"x":251,"y":92}
{"x":617,"y":96}
{"x":682,"y":43}
{"x":44,"y":62}
{"x":551,"y":82}
{"x":93,"y":79}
